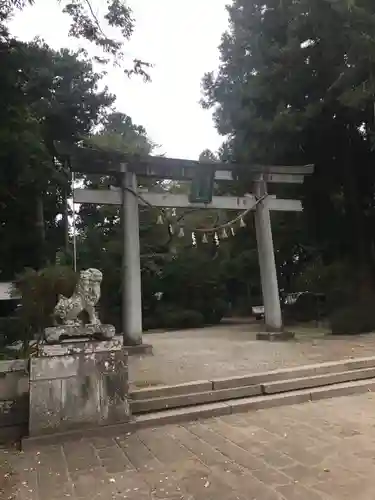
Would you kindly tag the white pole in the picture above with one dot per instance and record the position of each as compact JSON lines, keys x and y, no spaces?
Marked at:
{"x":270,"y":290}
{"x":131,"y":275}
{"x":74,"y":230}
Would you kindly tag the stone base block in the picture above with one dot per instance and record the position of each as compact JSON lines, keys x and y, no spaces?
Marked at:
{"x":275,"y":336}
{"x":78,"y":385}
{"x":54,"y":334}
{"x":80,"y":346}
{"x":140,"y":350}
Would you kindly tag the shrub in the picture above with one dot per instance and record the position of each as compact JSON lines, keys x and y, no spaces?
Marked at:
{"x":11,"y":329}
{"x":354,"y":319}
{"x":173,"y":319}
{"x":182,"y":319}
{"x":307,"y":307}
{"x":214,"y":311}
{"x":39,"y":292}
{"x":150,"y":323}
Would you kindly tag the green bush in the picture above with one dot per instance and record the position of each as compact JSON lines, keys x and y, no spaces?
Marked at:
{"x":192,"y":281}
{"x":214,"y":311}
{"x":11,"y":330}
{"x":354,"y":319}
{"x":182,"y":319}
{"x":173,"y":319}
{"x":39,"y":294}
{"x":150,"y":323}
{"x":307,"y":307}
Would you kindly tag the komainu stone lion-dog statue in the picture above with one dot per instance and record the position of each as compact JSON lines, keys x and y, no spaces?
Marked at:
{"x":85,"y":297}
{"x":66,"y":314}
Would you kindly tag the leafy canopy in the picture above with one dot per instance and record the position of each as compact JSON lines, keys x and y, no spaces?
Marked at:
{"x":109,"y":30}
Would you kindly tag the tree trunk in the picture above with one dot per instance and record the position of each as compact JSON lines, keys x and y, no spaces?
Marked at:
{"x":360,"y":254}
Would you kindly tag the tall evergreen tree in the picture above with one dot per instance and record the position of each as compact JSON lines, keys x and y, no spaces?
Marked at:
{"x":296,"y":85}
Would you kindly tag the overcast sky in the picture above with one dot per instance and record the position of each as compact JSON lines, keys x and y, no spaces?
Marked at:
{"x":181,"y":39}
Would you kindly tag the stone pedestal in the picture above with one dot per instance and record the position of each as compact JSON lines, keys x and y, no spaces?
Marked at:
{"x":78,"y":385}
{"x":54,"y":334}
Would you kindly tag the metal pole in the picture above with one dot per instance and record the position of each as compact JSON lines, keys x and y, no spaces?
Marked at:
{"x":131,"y":273}
{"x":74,"y":230}
{"x":270,"y":289}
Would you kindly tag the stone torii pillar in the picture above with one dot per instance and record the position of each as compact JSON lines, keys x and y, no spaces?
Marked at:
{"x":267,"y":264}
{"x":131,"y":263}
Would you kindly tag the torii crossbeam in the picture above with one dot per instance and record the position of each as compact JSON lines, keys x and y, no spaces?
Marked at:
{"x":130,"y":167}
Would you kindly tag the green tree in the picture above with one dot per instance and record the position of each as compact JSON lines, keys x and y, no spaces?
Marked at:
{"x":86,"y":23}
{"x":296,"y":86}
{"x":119,"y":133}
{"x":47,"y":96}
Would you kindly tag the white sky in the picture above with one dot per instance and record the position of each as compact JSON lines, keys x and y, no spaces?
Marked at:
{"x":180,"y":37}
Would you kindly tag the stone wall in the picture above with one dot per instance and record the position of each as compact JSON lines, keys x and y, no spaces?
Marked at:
{"x":14,"y":399}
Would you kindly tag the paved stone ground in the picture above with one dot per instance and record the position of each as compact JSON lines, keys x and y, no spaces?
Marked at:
{"x":232,"y":350}
{"x":316,"y":451}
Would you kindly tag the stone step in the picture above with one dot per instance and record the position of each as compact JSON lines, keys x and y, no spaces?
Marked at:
{"x":296,"y":372}
{"x":214,"y":396}
{"x":253,"y":379}
{"x":317,"y":381}
{"x":171,"y":390}
{"x":190,"y":413}
{"x":190,"y":399}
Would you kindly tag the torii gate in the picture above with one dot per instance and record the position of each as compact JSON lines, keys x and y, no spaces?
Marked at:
{"x":129,"y":167}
